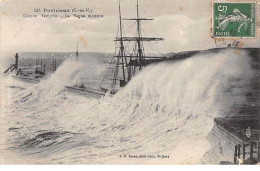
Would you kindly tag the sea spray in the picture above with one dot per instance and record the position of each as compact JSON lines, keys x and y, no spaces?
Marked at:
{"x":170,"y":107}
{"x":167,"y":109}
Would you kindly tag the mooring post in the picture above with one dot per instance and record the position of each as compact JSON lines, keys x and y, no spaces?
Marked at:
{"x":244,"y":150}
{"x":251,"y":150}
{"x":55,"y":64}
{"x":53,"y":67}
{"x":235,"y":155}
{"x":258,"y":150}
{"x":16,"y":61}
{"x":44,"y":69}
{"x":238,"y":150}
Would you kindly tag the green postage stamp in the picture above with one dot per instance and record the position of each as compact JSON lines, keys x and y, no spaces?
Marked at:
{"x":232,"y":19}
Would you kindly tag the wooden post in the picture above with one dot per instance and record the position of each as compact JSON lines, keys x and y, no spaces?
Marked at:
{"x":258,"y":150}
{"x":238,"y":150}
{"x":244,"y":151}
{"x":235,"y":155}
{"x":53,"y":67}
{"x":251,"y":150}
{"x":44,"y":69}
{"x":16,"y":61}
{"x":55,"y":64}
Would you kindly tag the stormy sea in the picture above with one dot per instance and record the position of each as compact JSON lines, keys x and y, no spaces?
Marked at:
{"x":164,"y":115}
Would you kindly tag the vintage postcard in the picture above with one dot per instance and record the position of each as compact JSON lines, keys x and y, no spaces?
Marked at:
{"x":173,"y":82}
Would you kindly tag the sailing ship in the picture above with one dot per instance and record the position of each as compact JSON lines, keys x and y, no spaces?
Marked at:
{"x":129,"y":58}
{"x":127,"y":62}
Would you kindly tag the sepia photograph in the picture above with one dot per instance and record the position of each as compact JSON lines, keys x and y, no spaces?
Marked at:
{"x":129,"y":82}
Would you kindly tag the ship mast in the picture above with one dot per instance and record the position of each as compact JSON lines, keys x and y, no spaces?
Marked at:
{"x":140,"y":53}
{"x":121,"y":53}
{"x":139,"y":39}
{"x":131,"y":61}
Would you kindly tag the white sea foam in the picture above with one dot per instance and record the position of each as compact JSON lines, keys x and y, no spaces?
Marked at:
{"x":167,"y":109}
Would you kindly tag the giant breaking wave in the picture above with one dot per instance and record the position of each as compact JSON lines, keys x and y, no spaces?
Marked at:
{"x":167,"y":109}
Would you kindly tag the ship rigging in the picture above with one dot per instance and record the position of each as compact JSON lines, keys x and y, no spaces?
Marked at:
{"x":127,"y":62}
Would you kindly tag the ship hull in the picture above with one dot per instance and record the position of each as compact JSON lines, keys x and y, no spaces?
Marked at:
{"x":85,"y":92}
